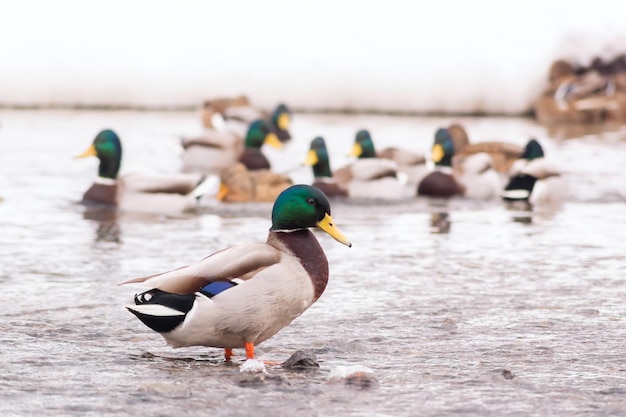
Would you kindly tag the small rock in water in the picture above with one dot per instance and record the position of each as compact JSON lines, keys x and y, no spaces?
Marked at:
{"x":253,"y":366}
{"x":356,"y":375}
{"x":253,"y":373}
{"x":507,"y":374}
{"x":301,"y":360}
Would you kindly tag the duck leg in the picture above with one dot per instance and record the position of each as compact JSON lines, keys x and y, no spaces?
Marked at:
{"x":249,"y":350}
{"x":228,"y":354}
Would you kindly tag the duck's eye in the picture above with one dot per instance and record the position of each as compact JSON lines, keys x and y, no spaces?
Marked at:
{"x":312,"y":201}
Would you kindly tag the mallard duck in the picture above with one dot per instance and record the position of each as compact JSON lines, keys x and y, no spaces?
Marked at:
{"x":279,"y":118}
{"x":238,"y":185}
{"x":587,"y":95}
{"x":469,"y":175}
{"x":534,"y":179}
{"x":219,"y":106}
{"x":318,"y":159}
{"x":241,"y":296}
{"x":369,"y":176}
{"x":174,"y":193}
{"x":259,"y":133}
{"x":411,"y":164}
{"x":217,"y":149}
{"x":211,"y":153}
{"x":502,"y":154}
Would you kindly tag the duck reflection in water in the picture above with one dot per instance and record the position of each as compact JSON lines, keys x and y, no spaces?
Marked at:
{"x":440,"y":222}
{"x":522,"y":211}
{"x":439,"y":216}
{"x":108,"y":229}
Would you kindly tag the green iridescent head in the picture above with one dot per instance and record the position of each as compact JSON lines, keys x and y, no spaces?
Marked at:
{"x":318,"y":158}
{"x":443,"y":148}
{"x":108,"y":149}
{"x":303,"y":206}
{"x":259,"y":133}
{"x":281,"y":117}
{"x":533,"y":150}
{"x":363,"y":145}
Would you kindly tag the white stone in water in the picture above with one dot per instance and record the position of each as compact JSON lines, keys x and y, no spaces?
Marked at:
{"x":253,"y":366}
{"x":342,"y":372}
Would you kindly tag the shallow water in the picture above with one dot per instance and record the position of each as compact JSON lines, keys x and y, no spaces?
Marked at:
{"x":495,"y":317}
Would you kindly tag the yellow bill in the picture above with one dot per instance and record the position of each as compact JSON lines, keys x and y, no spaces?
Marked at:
{"x":437,"y":153}
{"x":283,"y":121}
{"x":272,"y":140}
{"x":91,"y":151}
{"x":311,"y":158}
{"x":357,"y":150}
{"x":327,"y":225}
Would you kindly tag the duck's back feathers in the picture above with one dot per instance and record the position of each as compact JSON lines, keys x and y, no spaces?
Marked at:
{"x":236,"y":262}
{"x":159,"y":183}
{"x":401,"y":156}
{"x":477,"y":174}
{"x":370,"y":178}
{"x":540,"y":168}
{"x":329,"y":187}
{"x":245,"y":113}
{"x":373,"y":169}
{"x":212,"y":152}
{"x":261,"y":185}
{"x":502,"y":154}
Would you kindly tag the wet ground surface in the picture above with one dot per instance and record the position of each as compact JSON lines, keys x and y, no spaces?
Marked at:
{"x":492,"y":316}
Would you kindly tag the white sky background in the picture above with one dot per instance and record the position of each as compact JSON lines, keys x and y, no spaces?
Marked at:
{"x":445,"y":55}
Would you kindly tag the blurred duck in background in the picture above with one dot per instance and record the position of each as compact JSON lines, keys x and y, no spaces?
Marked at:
{"x":238,"y":110}
{"x":259,"y":134}
{"x":218,"y":106}
{"x":575,"y":94}
{"x":318,"y":159}
{"x":217,"y":150}
{"x":279,"y":118}
{"x":241,"y":185}
{"x":154,"y":193}
{"x":470,"y":175}
{"x":502,"y":154}
{"x":534,"y":179}
{"x":370,"y":176}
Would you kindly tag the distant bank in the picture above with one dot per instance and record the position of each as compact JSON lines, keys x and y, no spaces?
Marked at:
{"x":482,"y":57}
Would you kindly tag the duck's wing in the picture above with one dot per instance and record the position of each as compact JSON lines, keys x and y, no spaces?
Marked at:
{"x":244,"y":113}
{"x":373,"y":169}
{"x":241,"y":262}
{"x":213,"y":138}
{"x":343,"y":176}
{"x":540,"y":168}
{"x":159,"y":183}
{"x":402,"y":157}
{"x":503,"y":154}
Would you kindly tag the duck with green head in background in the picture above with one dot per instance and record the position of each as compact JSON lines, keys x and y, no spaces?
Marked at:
{"x":279,"y":119}
{"x":470,"y":176}
{"x":411,"y":165}
{"x":157,"y":193}
{"x":369,"y":176}
{"x":534,"y":179}
{"x":243,"y":295}
{"x":217,"y":149}
{"x":317,"y":158}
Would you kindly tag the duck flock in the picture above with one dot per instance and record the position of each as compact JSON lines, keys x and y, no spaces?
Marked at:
{"x":594,"y":93}
{"x":240,"y":296}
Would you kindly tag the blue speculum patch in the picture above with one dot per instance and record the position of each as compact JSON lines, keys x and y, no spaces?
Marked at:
{"x":217,"y":287}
